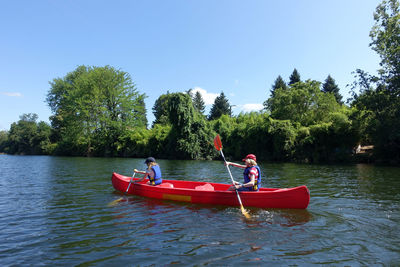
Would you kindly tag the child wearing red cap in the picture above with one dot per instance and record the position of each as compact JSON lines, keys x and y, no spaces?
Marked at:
{"x":251,"y":174}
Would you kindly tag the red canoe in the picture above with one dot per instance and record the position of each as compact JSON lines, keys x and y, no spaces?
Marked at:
{"x":215,"y":193}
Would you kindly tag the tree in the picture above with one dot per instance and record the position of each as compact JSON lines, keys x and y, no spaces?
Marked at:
{"x":221,"y":106}
{"x":160,"y":110}
{"x":3,"y":141}
{"x":198,"y":102}
{"x":92,"y":107}
{"x":279,"y":83}
{"x":190,"y":135}
{"x":385,"y":36}
{"x":141,"y":112}
{"x":303,"y":102}
{"x":294,"y":77}
{"x":330,"y":86}
{"x":378,"y":103}
{"x":28,"y":137}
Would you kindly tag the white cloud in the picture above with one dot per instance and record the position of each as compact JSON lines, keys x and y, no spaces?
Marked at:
{"x":207,"y":97}
{"x":252,"y":107}
{"x":14,"y":94}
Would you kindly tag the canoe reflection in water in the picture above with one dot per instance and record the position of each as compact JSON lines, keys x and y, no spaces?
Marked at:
{"x":259,"y":217}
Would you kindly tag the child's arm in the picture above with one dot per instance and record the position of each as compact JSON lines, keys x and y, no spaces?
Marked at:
{"x":235,"y":165}
{"x":141,"y":172}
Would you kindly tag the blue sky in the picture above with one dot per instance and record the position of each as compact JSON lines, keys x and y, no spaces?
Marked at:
{"x":238,"y":47}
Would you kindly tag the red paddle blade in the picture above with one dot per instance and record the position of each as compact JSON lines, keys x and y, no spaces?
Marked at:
{"x":218,"y":143}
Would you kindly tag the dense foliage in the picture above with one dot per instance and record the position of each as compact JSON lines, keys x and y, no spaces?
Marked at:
{"x":377,"y":104}
{"x":97,"y":111}
{"x":27,"y":136}
{"x":93,"y":108}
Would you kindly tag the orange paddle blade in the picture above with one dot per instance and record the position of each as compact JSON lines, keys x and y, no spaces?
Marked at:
{"x":217,"y":143}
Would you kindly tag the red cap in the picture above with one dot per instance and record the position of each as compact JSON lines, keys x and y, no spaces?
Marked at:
{"x":250,"y":156}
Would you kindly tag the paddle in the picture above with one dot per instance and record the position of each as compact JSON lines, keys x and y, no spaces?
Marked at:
{"x":112,"y":203}
{"x":218,"y":146}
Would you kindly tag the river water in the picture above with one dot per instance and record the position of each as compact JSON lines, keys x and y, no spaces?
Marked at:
{"x":54,"y":211}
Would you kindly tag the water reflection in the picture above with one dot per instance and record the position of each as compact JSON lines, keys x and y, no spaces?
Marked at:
{"x":54,"y":212}
{"x":378,"y":183}
{"x":259,"y":217}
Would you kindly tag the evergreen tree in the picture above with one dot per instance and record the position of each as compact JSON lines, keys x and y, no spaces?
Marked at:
{"x":190,"y":92}
{"x":294,"y":78}
{"x":330,"y":86}
{"x":221,"y":106}
{"x":279,"y":83}
{"x":198,"y":102}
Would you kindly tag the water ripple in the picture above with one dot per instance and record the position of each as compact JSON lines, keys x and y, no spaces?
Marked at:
{"x":54,"y":212}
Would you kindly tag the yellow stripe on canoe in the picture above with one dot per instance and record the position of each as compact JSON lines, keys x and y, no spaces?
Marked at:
{"x":177,"y":197}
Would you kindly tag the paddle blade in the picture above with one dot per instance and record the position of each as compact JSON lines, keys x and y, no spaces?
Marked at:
{"x":217,"y":143}
{"x":114,"y":202}
{"x":245,"y":213}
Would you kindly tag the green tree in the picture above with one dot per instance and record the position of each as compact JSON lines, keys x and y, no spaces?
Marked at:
{"x":28,"y":137}
{"x":378,"y":103}
{"x":385,"y":36}
{"x":92,"y":108}
{"x":294,"y":77}
{"x":330,"y":86}
{"x":303,"y":103}
{"x":221,"y":106}
{"x":278,"y":84}
{"x":160,"y":109}
{"x":141,"y":110}
{"x":190,"y":135}
{"x":198,"y":102}
{"x":3,"y":141}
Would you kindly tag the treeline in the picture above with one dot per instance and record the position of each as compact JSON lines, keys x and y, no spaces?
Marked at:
{"x":301,"y":122}
{"x":97,"y":111}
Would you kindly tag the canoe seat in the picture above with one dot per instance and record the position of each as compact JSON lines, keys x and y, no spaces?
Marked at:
{"x":167,"y":185}
{"x":205,"y":187}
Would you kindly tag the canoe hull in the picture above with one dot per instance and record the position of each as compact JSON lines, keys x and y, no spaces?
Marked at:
{"x":215,"y":193}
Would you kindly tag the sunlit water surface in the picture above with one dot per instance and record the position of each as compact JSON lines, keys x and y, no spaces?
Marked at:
{"x":54,"y":211}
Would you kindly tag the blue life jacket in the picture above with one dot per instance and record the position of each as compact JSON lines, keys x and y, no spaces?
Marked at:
{"x":157,"y":176}
{"x":257,"y":182}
